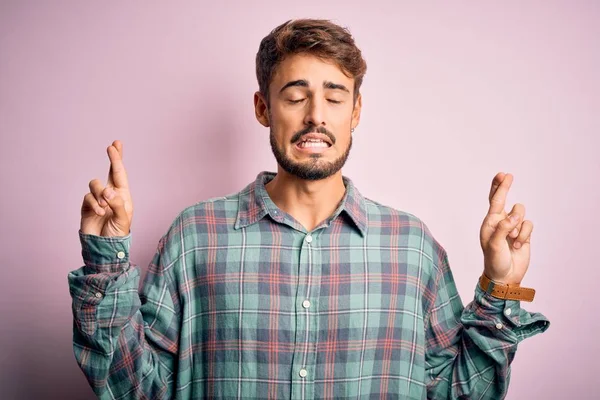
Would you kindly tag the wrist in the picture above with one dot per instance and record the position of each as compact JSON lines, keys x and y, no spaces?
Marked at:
{"x":510,"y":291}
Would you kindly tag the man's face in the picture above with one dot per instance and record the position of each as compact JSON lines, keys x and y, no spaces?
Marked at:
{"x":310,"y":116}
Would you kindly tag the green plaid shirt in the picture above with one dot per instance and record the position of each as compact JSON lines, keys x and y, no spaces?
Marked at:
{"x":240,"y":301}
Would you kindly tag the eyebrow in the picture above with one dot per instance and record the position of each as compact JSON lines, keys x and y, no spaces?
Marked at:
{"x":299,"y":82}
{"x":338,"y":86}
{"x":304,"y":83}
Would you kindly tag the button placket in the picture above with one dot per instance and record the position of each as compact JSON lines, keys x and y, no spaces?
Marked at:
{"x":308,"y":294}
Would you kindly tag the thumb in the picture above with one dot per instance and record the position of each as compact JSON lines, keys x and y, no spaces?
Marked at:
{"x":504,"y":227}
{"x":117,"y":205}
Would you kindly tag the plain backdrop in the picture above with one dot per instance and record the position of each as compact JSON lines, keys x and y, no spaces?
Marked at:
{"x":454,"y":93}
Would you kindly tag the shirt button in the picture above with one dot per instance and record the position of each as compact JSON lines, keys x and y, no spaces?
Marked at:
{"x":306,"y":304}
{"x":121,"y":255}
{"x":308,"y":238}
{"x":303,"y":373}
{"x":98,"y":295}
{"x":507,"y":312}
{"x":499,"y":326}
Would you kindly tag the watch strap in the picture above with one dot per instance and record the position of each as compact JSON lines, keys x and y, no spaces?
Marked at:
{"x":506,"y":291}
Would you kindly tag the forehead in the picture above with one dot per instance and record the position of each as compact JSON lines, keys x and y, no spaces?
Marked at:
{"x":310,"y":68}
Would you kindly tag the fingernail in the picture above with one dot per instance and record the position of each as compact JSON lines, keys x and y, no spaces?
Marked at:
{"x":517,"y":245}
{"x":109,"y":194}
{"x":514,"y":217}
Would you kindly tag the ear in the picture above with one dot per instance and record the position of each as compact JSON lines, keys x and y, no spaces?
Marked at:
{"x":260,"y":109}
{"x":356,"y":111}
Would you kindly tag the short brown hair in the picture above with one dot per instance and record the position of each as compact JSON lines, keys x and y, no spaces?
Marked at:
{"x":319,"y":37}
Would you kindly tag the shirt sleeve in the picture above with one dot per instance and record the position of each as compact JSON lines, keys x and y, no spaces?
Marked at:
{"x":125,"y":343}
{"x":469,"y":349}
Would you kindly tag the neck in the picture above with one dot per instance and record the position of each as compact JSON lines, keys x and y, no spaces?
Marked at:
{"x":309,"y":202}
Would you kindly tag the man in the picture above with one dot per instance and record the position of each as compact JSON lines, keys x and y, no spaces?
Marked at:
{"x":297,"y":286}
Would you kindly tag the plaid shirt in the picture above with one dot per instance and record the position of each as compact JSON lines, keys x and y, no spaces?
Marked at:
{"x":240,"y":301}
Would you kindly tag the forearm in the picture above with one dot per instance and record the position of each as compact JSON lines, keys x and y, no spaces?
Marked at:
{"x":118,"y":352}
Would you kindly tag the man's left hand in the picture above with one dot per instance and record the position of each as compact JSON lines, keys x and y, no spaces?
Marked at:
{"x":505,"y":242}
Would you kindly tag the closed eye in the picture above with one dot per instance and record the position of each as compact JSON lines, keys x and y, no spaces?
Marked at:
{"x":301,"y":100}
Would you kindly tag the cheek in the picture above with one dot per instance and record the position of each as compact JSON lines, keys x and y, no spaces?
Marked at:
{"x":343,"y":142}
{"x":283,"y":124}
{"x":341,"y":121}
{"x":287,"y":115}
{"x":343,"y":135}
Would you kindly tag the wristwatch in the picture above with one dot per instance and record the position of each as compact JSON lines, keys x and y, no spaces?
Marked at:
{"x":505,"y":291}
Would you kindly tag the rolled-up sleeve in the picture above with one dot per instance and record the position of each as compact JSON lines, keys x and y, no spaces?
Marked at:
{"x":126,"y":343}
{"x":106,"y":267}
{"x":469,"y":349}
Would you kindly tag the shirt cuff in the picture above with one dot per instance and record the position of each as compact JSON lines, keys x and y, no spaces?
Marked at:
{"x":104,"y":254}
{"x":508,"y":314}
{"x":89,"y":291}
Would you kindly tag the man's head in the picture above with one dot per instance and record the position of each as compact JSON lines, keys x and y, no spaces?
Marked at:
{"x":309,"y":74}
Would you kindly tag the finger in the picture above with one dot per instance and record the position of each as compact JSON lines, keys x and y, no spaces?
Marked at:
{"x":524,"y":235}
{"x":117,"y":205}
{"x":515,"y":232}
{"x":119,"y":146}
{"x":90,"y":203}
{"x":117,"y":175}
{"x":518,"y":208}
{"x":503,"y":229}
{"x":498,"y":200}
{"x":496,"y":183}
{"x":96,"y":189}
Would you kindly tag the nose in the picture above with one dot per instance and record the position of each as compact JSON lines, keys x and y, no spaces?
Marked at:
{"x":315,"y":114}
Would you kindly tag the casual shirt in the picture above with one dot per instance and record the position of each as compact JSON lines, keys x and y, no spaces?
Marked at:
{"x":241,"y":301}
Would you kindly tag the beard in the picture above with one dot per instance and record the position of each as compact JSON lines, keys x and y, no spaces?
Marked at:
{"x":312,"y":170}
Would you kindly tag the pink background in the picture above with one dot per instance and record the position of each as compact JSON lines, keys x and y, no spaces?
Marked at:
{"x":453,"y":94}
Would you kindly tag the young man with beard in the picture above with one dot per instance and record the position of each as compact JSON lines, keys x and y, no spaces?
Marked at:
{"x":297,"y":286}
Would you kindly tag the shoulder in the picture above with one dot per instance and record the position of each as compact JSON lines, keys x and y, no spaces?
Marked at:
{"x":406,"y":228}
{"x":381,"y":216}
{"x":212,"y":216}
{"x":379,"y":212}
{"x":216,"y":207}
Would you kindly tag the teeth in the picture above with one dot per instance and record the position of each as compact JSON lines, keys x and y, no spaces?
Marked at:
{"x":313,"y":143}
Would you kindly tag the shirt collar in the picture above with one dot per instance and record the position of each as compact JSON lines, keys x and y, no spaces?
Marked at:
{"x":255,"y":204}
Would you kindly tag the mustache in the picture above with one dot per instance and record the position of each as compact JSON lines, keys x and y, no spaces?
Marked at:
{"x":313,"y":129}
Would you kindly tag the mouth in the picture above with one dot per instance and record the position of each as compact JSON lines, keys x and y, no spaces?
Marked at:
{"x":312,"y":146}
{"x":313,"y":143}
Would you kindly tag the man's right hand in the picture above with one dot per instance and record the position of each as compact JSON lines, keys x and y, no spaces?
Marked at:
{"x":108,"y":210}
